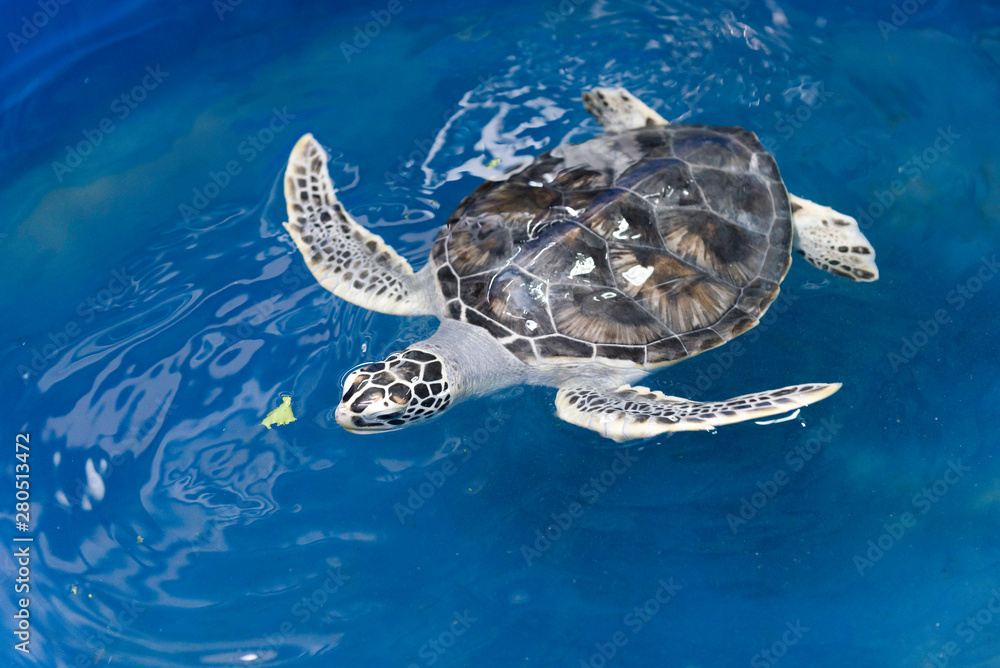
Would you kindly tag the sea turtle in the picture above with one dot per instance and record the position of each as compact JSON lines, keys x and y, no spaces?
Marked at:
{"x":583,"y":270}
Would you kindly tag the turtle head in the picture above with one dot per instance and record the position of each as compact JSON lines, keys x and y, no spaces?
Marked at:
{"x":405,"y":388}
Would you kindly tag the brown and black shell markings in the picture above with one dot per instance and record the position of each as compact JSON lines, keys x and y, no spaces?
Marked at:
{"x":642,"y":247}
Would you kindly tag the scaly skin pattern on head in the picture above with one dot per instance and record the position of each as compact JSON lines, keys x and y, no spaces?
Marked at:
{"x":405,"y":388}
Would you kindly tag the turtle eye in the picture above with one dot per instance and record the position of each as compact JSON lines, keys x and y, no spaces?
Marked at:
{"x":367,"y":398}
{"x":355,"y":386}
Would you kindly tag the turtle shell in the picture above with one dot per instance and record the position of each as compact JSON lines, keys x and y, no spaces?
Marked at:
{"x":642,"y":247}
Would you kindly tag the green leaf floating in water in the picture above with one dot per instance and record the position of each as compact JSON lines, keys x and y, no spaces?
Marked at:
{"x":281,"y":415}
{"x":493,"y":163}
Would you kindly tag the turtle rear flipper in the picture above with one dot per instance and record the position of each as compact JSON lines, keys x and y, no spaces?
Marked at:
{"x":638,"y":412}
{"x":345,"y":258}
{"x":618,"y":110}
{"x":832,"y":241}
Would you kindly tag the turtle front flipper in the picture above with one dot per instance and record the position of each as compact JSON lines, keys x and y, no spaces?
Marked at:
{"x":832,"y":241}
{"x":638,"y":412}
{"x":618,"y":110}
{"x":345,"y":258}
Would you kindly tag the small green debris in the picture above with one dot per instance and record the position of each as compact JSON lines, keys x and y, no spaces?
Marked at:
{"x":281,"y":415}
{"x":73,"y":589}
{"x":493,"y":163}
{"x":138,"y":539}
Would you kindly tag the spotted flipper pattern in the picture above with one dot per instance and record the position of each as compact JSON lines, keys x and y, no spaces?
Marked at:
{"x":832,"y":241}
{"x":345,"y":258}
{"x":638,"y":412}
{"x":618,"y":110}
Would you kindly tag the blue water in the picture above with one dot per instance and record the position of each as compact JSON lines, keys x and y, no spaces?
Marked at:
{"x":151,"y":320}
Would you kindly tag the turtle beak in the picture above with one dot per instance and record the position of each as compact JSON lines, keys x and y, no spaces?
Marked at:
{"x":368,"y":412}
{"x":343,"y":417}
{"x":357,"y":424}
